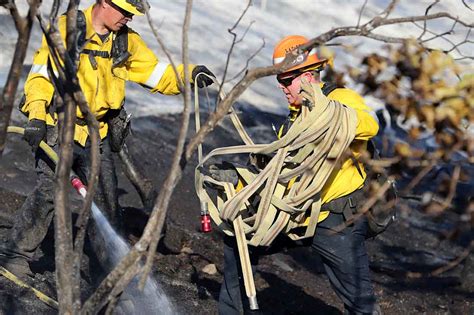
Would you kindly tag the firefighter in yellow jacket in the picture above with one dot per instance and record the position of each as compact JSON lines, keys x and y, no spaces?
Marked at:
{"x":110,"y":54}
{"x":343,"y":253}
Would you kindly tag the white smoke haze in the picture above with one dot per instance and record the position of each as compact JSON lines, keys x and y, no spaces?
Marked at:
{"x":209,"y":39}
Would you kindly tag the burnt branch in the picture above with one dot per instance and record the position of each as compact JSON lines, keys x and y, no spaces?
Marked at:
{"x":143,"y":185}
{"x":7,"y":99}
{"x":62,"y":218}
{"x":68,"y":254}
{"x":157,"y":219}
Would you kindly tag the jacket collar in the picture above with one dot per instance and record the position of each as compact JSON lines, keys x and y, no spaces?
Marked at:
{"x":90,"y":32}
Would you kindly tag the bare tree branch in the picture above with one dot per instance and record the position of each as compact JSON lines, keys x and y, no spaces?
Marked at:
{"x":465,"y":4}
{"x":424,"y":22}
{"x":177,"y":167}
{"x":152,"y":231}
{"x":389,"y":9}
{"x":248,"y":61}
{"x":234,"y":42}
{"x":63,"y":219}
{"x":68,"y":257}
{"x":361,"y":12}
{"x":162,"y":45}
{"x":143,"y":185}
{"x":23,"y":26}
{"x":98,"y":299}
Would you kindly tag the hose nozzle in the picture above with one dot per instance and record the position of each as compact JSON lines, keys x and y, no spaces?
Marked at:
{"x":205,"y":218}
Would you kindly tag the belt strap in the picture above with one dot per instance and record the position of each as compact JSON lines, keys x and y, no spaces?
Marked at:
{"x":346,"y":205}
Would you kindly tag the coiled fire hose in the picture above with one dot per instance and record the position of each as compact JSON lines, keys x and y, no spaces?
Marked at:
{"x":303,"y":158}
{"x":81,"y":190}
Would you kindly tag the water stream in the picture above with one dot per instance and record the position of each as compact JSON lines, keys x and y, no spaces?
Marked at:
{"x":152,"y":300}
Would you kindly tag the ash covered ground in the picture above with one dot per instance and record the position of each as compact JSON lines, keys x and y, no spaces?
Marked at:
{"x":288,"y":282}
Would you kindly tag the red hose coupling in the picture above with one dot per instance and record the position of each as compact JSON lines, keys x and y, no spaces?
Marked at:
{"x":205,"y":219}
{"x":78,"y":186}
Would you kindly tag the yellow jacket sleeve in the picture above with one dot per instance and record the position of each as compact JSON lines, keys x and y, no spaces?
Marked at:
{"x":38,"y":88}
{"x":145,"y":69}
{"x":367,"y":125}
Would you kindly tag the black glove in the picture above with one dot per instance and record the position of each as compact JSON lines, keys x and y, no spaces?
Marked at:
{"x":202,"y":80}
{"x":35,"y":132}
{"x":224,"y":172}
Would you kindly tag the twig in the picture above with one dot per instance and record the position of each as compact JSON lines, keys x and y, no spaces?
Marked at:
{"x":162,"y":45}
{"x":143,"y":185}
{"x":465,"y":4}
{"x":455,"y":262}
{"x":68,"y":257}
{"x":23,"y":26}
{"x":388,"y":10}
{"x":160,"y":209}
{"x":452,"y":187}
{"x":424,"y":22}
{"x":248,"y":61}
{"x":447,"y":267}
{"x":361,"y":11}
{"x":367,"y":205}
{"x":419,"y":177}
{"x":234,"y":42}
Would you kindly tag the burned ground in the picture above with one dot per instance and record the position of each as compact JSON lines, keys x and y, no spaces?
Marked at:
{"x":288,"y":282}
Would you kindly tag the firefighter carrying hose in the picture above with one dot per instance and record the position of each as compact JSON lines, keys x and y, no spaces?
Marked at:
{"x":343,"y":253}
{"x":111,"y":54}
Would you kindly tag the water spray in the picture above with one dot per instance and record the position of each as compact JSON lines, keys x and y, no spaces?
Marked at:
{"x":152,"y":299}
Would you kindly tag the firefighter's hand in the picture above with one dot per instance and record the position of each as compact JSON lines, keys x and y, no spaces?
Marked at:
{"x":312,"y":94}
{"x":35,"y":132}
{"x":202,"y":80}
{"x":224,"y":172}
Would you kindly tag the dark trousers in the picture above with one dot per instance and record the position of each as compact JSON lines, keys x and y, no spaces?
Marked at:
{"x":32,"y":220}
{"x":345,"y":260}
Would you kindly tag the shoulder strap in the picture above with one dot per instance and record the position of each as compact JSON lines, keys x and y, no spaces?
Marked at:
{"x":328,"y":87}
{"x":81,"y":29}
{"x":374,"y":155}
{"x":119,"y":51}
{"x":80,"y":35}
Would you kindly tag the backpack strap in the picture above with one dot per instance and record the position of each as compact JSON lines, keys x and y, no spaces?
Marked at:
{"x":328,"y":87}
{"x":81,"y":29}
{"x":119,"y":52}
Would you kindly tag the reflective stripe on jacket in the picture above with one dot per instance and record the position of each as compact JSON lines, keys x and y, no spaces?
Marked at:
{"x":103,"y":87}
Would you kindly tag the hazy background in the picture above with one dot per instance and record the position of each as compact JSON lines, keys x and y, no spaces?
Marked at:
{"x":209,"y":39}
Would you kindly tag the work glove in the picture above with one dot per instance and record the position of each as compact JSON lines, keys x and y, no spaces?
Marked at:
{"x":224,"y":172}
{"x":312,"y":94}
{"x":35,"y":132}
{"x":202,"y":80}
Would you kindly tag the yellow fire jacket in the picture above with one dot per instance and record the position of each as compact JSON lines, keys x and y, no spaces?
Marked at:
{"x":103,"y":87}
{"x":346,"y":178}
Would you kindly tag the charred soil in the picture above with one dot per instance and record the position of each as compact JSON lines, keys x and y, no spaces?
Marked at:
{"x":189,"y":263}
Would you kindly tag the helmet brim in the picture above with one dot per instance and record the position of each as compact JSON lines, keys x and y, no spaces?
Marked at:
{"x":303,"y":68}
{"x":127,"y":6}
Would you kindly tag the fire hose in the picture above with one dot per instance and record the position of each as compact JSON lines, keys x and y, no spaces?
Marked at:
{"x":81,"y":190}
{"x":303,"y":158}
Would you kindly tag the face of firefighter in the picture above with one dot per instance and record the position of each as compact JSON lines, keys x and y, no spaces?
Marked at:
{"x":114,"y":16}
{"x":291,"y":86}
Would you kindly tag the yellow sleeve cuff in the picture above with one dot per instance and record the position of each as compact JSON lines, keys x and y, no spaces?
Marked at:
{"x":37,"y":110}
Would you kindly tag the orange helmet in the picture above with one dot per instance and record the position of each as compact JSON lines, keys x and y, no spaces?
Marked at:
{"x":288,"y":44}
